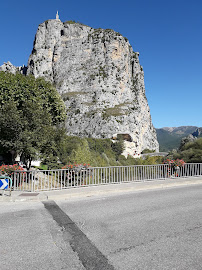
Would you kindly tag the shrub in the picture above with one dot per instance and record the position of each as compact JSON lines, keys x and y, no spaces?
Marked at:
{"x":76,"y":167}
{"x":76,"y":174}
{"x":10,"y":169}
{"x":174,"y":163}
{"x":145,"y":151}
{"x":70,"y":22}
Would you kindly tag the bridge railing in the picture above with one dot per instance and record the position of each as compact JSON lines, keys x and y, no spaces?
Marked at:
{"x":39,"y":180}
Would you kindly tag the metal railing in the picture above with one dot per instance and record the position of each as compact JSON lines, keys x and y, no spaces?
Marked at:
{"x":39,"y":180}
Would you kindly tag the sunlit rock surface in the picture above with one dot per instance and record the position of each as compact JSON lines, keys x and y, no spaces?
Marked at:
{"x":100,"y":79}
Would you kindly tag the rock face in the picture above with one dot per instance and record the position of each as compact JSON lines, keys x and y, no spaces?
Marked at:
{"x":197,"y":132}
{"x":8,"y":67}
{"x":100,"y":79}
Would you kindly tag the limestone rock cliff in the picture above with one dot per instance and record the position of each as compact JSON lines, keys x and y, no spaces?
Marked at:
{"x":9,"y":67}
{"x":100,"y":79}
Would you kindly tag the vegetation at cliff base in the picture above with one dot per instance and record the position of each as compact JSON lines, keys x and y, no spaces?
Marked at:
{"x":96,"y":152}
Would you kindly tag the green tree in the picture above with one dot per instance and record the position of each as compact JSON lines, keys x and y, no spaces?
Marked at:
{"x":65,"y":145}
{"x":118,"y":148}
{"x":82,"y":154}
{"x":99,"y":145}
{"x":190,"y":150}
{"x":31,"y":112}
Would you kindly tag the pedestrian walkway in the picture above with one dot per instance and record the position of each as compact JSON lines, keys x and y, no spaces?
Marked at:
{"x":99,"y":190}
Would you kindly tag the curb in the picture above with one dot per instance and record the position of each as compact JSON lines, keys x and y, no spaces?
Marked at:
{"x":94,"y":191}
{"x":18,"y":198}
{"x":113,"y":192}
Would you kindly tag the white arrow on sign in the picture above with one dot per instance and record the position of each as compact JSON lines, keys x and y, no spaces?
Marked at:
{"x":4,"y":183}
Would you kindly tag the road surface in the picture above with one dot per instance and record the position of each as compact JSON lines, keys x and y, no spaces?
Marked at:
{"x":154,"y":229}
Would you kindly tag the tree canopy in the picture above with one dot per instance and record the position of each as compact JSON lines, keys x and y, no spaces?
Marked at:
{"x":31,"y":112}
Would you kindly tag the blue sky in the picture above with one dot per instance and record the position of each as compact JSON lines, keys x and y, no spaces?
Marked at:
{"x":168,"y":35}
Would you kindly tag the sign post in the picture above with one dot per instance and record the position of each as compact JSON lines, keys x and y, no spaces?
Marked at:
{"x":4,"y":183}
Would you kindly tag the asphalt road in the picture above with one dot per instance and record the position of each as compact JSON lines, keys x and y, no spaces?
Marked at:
{"x":154,"y":229}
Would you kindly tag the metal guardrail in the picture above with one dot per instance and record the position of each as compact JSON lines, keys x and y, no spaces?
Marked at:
{"x":39,"y":180}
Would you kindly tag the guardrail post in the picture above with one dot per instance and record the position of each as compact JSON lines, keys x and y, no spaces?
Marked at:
{"x":32,"y":183}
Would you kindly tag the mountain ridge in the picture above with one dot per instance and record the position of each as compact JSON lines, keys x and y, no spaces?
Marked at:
{"x":170,"y":137}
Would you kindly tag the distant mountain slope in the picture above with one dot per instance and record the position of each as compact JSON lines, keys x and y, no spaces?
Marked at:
{"x":170,"y":137}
